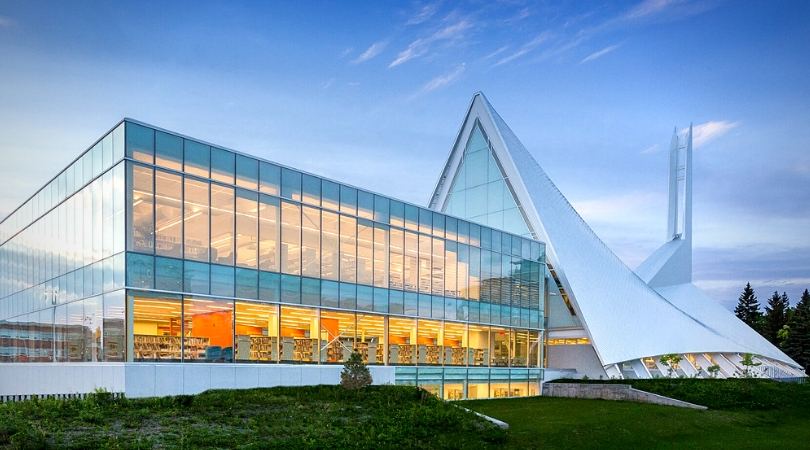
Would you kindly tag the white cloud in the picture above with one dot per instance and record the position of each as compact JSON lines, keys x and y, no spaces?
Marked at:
{"x":347,"y":52}
{"x":443,"y":80}
{"x":6,"y":21}
{"x":328,"y":84}
{"x":420,"y":46}
{"x":617,"y":207}
{"x":527,"y":47}
{"x":372,"y":51}
{"x":705,"y":132}
{"x":497,"y":52}
{"x":652,"y":149}
{"x":650,"y":7}
{"x":602,"y":52}
{"x":424,"y":14}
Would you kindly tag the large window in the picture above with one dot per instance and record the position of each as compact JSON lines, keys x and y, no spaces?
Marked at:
{"x":247,"y":229}
{"x":256,"y":332}
{"x":157,"y":329}
{"x":196,"y":215}
{"x":401,"y":341}
{"x":168,"y":214}
{"x":299,"y":335}
{"x":365,"y":252}
{"x":290,"y":238}
{"x":337,"y":335}
{"x":330,"y":245}
{"x":348,"y":249}
{"x":222,"y":224}
{"x":142,"y":225}
{"x":411,"y":264}
{"x":311,"y":241}
{"x":397,"y":262}
{"x":268,"y":233}
{"x":208,"y":330}
{"x":370,"y":338}
{"x":430,"y":342}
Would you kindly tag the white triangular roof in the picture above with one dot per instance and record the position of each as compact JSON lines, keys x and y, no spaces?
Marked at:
{"x":624,"y":318}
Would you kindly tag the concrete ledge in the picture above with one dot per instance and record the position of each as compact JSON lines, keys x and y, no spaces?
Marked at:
{"x":501,"y":424}
{"x":619,"y":392}
{"x":23,"y":380}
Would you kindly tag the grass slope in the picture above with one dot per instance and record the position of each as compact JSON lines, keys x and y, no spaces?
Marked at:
{"x":319,"y":417}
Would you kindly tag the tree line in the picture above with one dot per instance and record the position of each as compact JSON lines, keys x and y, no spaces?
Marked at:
{"x":785,"y":326}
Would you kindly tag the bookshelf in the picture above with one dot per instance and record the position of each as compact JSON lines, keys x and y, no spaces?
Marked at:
{"x":148,"y":347}
{"x":263,"y":348}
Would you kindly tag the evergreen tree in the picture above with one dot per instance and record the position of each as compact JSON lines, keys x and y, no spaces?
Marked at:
{"x":797,"y":343}
{"x":355,"y":374}
{"x":776,"y":317}
{"x":747,"y":308}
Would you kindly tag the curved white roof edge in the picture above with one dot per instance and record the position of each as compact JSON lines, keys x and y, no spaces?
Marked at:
{"x":624,"y":318}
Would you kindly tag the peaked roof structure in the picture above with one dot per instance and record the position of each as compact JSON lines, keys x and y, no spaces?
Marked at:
{"x":624,"y":317}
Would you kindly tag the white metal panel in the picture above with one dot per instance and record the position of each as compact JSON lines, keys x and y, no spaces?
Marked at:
{"x":624,"y":317}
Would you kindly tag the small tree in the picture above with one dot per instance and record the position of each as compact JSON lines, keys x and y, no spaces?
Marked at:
{"x":747,"y":308}
{"x":671,"y":361}
{"x":713,"y":371}
{"x":355,"y":374}
{"x":748,"y":364}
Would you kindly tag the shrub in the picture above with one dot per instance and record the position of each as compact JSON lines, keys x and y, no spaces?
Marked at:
{"x":355,"y":374}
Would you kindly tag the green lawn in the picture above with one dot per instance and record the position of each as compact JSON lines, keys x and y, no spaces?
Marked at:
{"x":742,"y":414}
{"x":558,"y":423}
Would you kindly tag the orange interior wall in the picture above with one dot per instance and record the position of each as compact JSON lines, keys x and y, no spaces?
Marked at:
{"x":216,"y":326}
{"x":292,"y":332}
{"x":248,"y":330}
{"x":331,"y":326}
{"x":397,"y":340}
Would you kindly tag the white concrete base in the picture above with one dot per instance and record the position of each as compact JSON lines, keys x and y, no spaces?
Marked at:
{"x":161,"y":379}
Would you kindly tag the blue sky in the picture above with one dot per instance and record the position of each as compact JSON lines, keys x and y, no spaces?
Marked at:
{"x":373,"y":93}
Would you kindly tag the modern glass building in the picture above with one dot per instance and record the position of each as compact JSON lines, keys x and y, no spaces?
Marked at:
{"x":153,"y":248}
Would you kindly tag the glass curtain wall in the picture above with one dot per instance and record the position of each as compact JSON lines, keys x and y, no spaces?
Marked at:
{"x":62,"y":264}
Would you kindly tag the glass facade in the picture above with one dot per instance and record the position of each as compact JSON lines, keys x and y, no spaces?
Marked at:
{"x":62,"y":264}
{"x":156,"y":247}
{"x":480,"y":192}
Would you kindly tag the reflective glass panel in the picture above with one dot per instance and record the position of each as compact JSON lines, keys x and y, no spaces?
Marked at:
{"x":256,"y":329}
{"x":299,"y":340}
{"x":157,"y":329}
{"x":291,"y":184}
{"x":196,"y":216}
{"x":365,"y":252}
{"x":330,"y":240}
{"x":247,"y":229}
{"x":168,"y":150}
{"x":168,"y":214}
{"x":142,"y":227}
{"x":247,"y":172}
{"x":269,"y":178}
{"x":208,"y":334}
{"x":140,"y":145}
{"x":268,"y":233}
{"x":310,"y":242}
{"x":222,"y":224}
{"x":290,"y":238}
{"x":222,"y":165}
{"x":402,"y":340}
{"x":197,"y":158}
